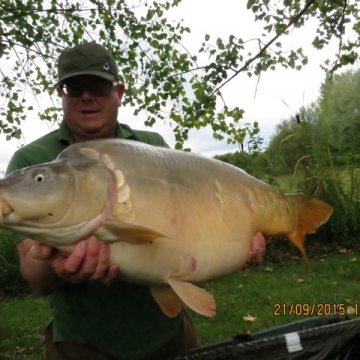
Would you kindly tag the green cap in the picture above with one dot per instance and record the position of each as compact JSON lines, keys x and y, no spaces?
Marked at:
{"x":87,"y":59}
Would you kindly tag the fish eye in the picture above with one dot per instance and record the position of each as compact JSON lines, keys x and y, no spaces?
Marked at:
{"x":39,"y":177}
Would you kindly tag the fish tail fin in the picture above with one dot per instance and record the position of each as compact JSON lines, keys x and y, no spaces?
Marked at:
{"x":312,"y":214}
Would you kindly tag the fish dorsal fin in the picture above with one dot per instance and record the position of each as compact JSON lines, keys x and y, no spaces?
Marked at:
{"x":120,"y":231}
{"x":194,"y":297}
{"x":167,"y":300}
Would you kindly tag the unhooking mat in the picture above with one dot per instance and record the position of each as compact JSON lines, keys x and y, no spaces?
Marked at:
{"x":316,"y":338}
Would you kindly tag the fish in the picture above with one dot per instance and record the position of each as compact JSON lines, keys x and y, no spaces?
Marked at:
{"x":174,"y":219}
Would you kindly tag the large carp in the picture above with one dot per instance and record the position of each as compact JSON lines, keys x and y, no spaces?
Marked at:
{"x":173,"y":218}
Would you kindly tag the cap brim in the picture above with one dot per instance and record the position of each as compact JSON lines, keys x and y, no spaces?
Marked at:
{"x":100,"y":74}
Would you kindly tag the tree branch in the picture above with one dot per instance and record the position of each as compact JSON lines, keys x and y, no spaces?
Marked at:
{"x":342,"y":24}
{"x":292,"y":21}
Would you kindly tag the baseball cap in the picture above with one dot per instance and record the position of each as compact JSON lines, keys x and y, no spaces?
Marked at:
{"x":87,"y":59}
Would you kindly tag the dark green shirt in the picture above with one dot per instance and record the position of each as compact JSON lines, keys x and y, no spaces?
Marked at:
{"x":120,"y":319}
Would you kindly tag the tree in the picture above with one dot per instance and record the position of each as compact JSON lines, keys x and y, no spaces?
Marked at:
{"x":340,"y":112}
{"x":330,"y":126}
{"x":296,"y":140}
{"x":157,"y":68}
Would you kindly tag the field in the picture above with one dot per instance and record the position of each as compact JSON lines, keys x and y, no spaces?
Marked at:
{"x":288,"y":182}
{"x":254,"y":299}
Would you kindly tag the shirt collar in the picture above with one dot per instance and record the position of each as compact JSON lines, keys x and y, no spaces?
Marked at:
{"x":121,"y":132}
{"x":65,"y":134}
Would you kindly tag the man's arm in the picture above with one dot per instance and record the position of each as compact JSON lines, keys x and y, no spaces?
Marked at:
{"x":46,"y":269}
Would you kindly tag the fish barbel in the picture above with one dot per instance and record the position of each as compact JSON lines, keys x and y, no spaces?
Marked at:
{"x":172,"y":218}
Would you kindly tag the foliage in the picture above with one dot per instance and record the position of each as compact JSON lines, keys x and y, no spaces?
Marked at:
{"x":11,"y":281}
{"x":252,"y":160}
{"x":163,"y":78}
{"x":326,"y":183}
{"x":294,"y":139}
{"x":255,"y":164}
{"x":239,"y":159}
{"x":339,"y":109}
{"x":330,"y":124}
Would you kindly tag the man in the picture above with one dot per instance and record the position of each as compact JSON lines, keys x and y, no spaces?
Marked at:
{"x":95,"y":315}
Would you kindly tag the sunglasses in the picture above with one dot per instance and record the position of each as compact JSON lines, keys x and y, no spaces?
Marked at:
{"x":95,"y":88}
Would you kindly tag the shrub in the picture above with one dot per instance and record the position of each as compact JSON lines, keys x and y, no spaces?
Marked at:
{"x":11,"y":281}
{"x":340,"y":189}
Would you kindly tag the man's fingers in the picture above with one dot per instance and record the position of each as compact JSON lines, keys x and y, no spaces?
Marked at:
{"x":112,"y":274}
{"x":258,"y":248}
{"x":89,"y":260}
{"x":40,"y":251}
{"x":102,"y":262}
{"x":75,"y":259}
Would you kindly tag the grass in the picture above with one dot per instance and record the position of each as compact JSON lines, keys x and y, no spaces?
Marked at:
{"x":23,"y":321}
{"x":253,"y":291}
{"x":257,"y":292}
{"x":288,"y":183}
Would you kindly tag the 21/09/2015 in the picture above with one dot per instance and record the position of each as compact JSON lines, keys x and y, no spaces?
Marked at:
{"x":314,"y":309}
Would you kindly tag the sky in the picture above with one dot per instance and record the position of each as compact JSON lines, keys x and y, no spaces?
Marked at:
{"x":262,"y":101}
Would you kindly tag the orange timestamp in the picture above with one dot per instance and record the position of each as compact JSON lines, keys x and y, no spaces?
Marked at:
{"x":313,"y":309}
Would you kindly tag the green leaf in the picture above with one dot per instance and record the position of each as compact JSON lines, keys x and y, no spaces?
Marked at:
{"x":250,"y":3}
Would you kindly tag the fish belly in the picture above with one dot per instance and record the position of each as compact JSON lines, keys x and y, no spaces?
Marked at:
{"x":165,"y":258}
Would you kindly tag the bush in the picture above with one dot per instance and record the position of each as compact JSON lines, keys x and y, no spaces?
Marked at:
{"x":342,"y":191}
{"x":11,"y":281}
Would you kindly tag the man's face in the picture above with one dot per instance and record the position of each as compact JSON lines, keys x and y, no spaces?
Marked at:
{"x":90,"y":106}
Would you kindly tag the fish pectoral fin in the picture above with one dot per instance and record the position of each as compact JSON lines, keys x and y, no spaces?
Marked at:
{"x":120,"y":231}
{"x":194,"y":297}
{"x":167,"y":300}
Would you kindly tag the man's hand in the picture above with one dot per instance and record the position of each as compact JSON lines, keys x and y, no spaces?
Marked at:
{"x":258,"y":248}
{"x":45,"y":268}
{"x":88,"y":261}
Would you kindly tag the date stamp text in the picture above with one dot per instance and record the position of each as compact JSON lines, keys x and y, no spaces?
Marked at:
{"x":314,"y":309}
